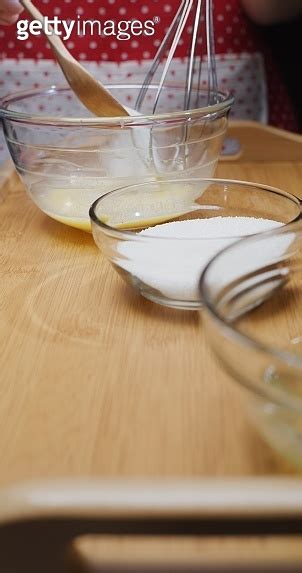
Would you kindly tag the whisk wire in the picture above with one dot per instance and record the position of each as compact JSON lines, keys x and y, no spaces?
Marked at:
{"x":181,"y":25}
{"x":202,"y":11}
{"x":212,"y":73}
{"x":172,"y":30}
{"x":191,"y":68}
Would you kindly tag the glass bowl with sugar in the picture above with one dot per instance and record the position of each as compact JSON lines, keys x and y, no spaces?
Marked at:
{"x":252,"y":295}
{"x":67,"y":158}
{"x":160,"y":235}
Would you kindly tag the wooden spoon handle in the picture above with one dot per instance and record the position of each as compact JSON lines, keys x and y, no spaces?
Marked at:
{"x":92,"y":94}
{"x":54,"y":40}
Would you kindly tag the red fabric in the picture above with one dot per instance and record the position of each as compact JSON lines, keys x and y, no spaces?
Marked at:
{"x":234,"y":34}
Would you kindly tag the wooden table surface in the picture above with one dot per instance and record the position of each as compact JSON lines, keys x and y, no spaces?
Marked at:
{"x":97,"y":381}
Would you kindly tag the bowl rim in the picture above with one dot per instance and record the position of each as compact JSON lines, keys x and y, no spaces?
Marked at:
{"x":124,"y":234}
{"x":207,"y":112}
{"x":230,"y":330}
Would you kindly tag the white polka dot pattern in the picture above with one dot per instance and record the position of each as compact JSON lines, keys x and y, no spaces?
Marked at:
{"x":250,"y":94}
{"x":238,"y":45}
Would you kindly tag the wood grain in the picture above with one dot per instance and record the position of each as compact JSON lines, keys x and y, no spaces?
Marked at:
{"x":263,"y":142}
{"x":97,"y":381}
{"x":222,"y":525}
{"x":96,"y":552}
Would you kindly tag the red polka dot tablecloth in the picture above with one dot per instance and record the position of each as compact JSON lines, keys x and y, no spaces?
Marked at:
{"x":245,"y":66}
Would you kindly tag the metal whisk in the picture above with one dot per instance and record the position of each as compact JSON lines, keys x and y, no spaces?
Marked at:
{"x":199,"y":54}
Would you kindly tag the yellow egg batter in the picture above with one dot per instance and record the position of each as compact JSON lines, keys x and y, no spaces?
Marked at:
{"x":138,"y":209}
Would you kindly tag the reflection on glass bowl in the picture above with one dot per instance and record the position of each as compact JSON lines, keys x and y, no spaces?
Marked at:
{"x":254,"y":320}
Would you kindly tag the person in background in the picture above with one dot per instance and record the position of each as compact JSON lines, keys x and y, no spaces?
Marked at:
{"x":246,"y":33}
{"x":272,"y":11}
{"x":9,"y":11}
{"x":283,"y":27}
{"x":261,"y":11}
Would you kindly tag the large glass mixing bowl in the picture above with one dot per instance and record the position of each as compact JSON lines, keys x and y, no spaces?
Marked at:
{"x":68,"y":158}
{"x":252,"y":296}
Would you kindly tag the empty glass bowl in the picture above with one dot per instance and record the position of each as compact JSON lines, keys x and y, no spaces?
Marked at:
{"x":252,"y":294}
{"x":67,"y":158}
{"x":166,"y":267}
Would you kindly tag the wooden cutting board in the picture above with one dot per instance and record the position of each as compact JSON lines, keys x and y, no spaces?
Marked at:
{"x":97,"y":381}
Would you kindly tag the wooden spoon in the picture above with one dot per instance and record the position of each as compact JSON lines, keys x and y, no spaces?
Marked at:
{"x":91,"y":93}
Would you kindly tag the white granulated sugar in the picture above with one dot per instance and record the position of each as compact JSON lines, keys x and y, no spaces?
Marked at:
{"x":173,"y":266}
{"x":211,"y":228}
